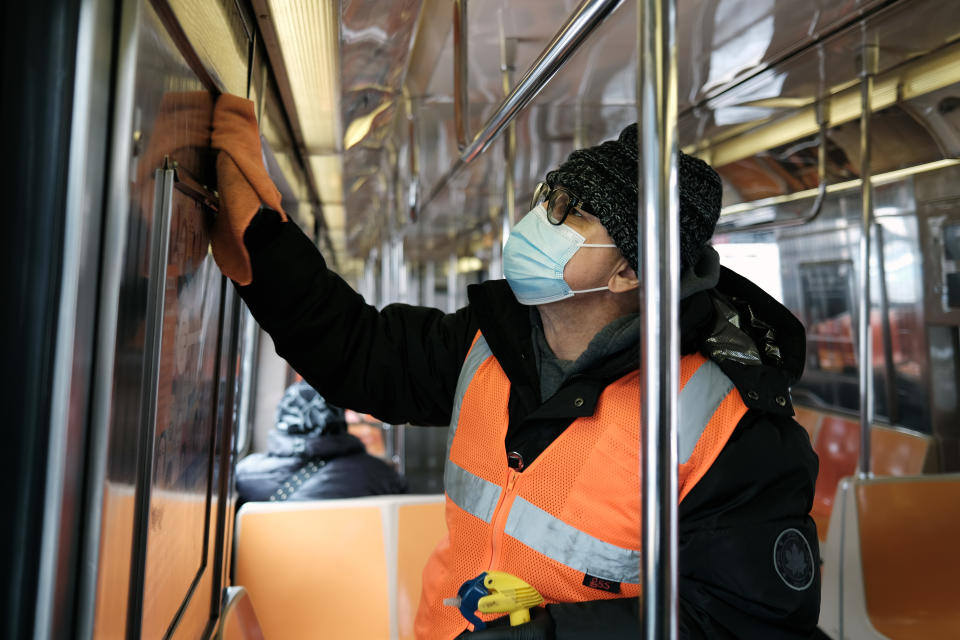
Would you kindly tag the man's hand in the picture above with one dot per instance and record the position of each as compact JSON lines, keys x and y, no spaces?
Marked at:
{"x":243,"y":183}
{"x":540,"y":627}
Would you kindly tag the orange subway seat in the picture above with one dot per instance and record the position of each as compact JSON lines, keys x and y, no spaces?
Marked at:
{"x":908,"y":532}
{"x":893,"y":452}
{"x":337,"y":568}
{"x":314,"y":570}
{"x":837,"y":445}
{"x":897,"y":452}
{"x":419,"y":528}
{"x":809,"y":419}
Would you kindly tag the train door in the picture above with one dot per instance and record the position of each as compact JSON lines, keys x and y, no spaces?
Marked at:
{"x":164,"y":496}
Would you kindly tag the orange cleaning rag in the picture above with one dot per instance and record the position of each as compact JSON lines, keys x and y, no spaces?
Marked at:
{"x":243,"y":184}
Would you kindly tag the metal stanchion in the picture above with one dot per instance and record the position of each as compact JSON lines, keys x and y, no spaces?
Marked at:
{"x":658,"y":230}
{"x":865,"y":335}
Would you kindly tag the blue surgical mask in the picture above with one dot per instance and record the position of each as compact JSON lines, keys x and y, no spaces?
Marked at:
{"x":535,"y":255}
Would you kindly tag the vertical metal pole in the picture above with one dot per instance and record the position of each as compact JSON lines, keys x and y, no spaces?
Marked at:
{"x":869,"y":61}
{"x":413,"y":272}
{"x":461,"y":85}
{"x":153,"y":341}
{"x":399,"y":448}
{"x":368,"y":282}
{"x":658,"y":230}
{"x":579,"y":126}
{"x":413,"y":159}
{"x":889,"y":370}
{"x":248,"y":380}
{"x":386,"y":274}
{"x":452,"y":282}
{"x":495,"y":265}
{"x":399,"y":269}
{"x":428,"y":290}
{"x":508,"y":52}
{"x":508,"y":215}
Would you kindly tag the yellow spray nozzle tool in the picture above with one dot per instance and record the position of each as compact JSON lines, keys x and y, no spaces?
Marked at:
{"x":508,"y":594}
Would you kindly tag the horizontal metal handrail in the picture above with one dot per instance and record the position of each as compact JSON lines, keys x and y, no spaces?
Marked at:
{"x":815,"y":209}
{"x":879,"y":179}
{"x":581,"y":23}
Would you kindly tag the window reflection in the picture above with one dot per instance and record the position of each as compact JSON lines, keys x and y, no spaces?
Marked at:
{"x":757,"y":260}
{"x":744,"y":49}
{"x":826,"y":300}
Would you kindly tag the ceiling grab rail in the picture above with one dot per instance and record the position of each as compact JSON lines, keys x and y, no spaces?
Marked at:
{"x":869,"y":60}
{"x":581,"y":23}
{"x":823,"y":121}
{"x":461,"y":85}
{"x":658,"y":230}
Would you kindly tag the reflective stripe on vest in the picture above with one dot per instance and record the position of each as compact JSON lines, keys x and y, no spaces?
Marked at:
{"x":698,"y":401}
{"x":547,"y":534}
{"x":569,"y":546}
{"x":479,"y":352}
{"x":471,"y":493}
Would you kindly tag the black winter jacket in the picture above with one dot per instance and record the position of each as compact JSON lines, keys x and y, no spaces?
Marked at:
{"x":749,"y":563}
{"x":327,"y":466}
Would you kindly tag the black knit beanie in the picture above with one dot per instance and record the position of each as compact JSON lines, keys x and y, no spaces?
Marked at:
{"x":606,"y":177}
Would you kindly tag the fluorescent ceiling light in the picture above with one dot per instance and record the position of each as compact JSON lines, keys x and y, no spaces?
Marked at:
{"x":207,"y":26}
{"x":328,"y":173}
{"x":308,"y":35}
{"x":309,"y":38}
{"x":469,"y":264}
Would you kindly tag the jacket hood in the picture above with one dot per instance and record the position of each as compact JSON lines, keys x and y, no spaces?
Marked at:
{"x":758,"y":343}
{"x":754,"y":329}
{"x":312,"y":445}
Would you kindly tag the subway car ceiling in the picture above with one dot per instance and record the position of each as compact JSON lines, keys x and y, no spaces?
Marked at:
{"x":370,"y":96}
{"x":359,"y":101}
{"x":768,"y":92}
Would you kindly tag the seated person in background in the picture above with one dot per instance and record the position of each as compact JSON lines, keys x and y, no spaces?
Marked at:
{"x":310,"y":456}
{"x":369,"y":430}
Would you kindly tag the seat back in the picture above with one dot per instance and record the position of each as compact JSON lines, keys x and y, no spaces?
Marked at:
{"x":908,"y":533}
{"x":837,"y":445}
{"x":890,"y":563}
{"x":836,"y":440}
{"x":336,"y":568}
{"x":419,"y":528}
{"x":898,"y":452}
{"x":810,"y":420}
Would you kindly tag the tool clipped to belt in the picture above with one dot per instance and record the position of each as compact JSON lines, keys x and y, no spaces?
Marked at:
{"x":495,"y":592}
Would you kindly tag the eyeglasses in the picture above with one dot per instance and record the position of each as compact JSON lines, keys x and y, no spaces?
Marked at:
{"x":560,"y":202}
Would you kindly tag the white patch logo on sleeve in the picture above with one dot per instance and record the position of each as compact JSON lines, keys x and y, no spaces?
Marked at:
{"x":793,"y":559}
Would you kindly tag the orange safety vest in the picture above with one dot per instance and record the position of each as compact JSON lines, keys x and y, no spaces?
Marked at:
{"x":570,"y":523}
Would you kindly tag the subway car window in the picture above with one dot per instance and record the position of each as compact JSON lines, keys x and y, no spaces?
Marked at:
{"x":296,"y":352}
